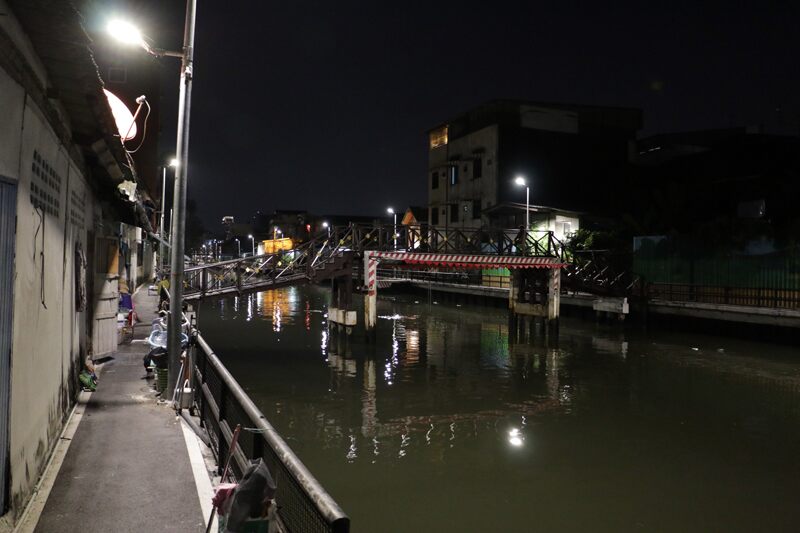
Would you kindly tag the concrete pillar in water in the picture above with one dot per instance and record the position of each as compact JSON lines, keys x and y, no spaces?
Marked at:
{"x":339,"y":312}
{"x":536,"y":293}
{"x":371,"y":297}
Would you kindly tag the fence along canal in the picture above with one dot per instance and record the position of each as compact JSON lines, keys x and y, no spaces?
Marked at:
{"x":303,"y":504}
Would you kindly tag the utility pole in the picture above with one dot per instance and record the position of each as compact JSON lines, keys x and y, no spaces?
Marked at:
{"x":178,"y":237}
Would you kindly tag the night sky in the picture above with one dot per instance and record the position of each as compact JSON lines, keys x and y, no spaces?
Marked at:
{"x":324,"y":105}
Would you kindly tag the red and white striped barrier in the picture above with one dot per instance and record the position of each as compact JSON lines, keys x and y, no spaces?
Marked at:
{"x":470,"y":261}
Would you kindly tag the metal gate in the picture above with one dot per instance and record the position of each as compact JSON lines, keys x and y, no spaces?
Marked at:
{"x":8,"y":222}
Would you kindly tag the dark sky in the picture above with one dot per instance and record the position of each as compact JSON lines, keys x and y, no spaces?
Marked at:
{"x":324,"y":105}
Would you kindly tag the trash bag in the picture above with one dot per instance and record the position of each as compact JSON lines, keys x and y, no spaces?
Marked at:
{"x":87,"y":382}
{"x":157,"y":357}
{"x":254,"y":492}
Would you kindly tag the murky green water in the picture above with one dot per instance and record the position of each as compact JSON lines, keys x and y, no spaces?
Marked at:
{"x":442,"y":425}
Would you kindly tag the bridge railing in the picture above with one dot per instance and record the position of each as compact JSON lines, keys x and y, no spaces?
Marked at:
{"x":445,"y":239}
{"x":303,"y":504}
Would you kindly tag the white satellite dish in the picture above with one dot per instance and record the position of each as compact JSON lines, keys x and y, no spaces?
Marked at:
{"x":126,"y":125}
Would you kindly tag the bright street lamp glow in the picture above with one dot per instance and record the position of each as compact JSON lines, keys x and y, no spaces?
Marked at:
{"x":173,"y":162}
{"x":324,"y":224}
{"x":520,"y":181}
{"x":390,"y":210}
{"x":249,"y":236}
{"x":125,"y":32}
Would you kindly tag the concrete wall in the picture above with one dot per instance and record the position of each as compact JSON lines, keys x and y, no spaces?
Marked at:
{"x":50,"y":337}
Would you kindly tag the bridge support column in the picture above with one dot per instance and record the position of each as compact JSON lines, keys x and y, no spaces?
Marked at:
{"x":339,"y":311}
{"x":371,"y":296}
{"x":535,"y":293}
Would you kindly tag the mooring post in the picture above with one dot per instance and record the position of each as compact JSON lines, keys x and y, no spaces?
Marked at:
{"x":553,"y":301}
{"x":371,"y":297}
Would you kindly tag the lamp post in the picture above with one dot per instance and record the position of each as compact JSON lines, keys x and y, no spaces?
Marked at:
{"x":522,"y":183}
{"x":130,"y":35}
{"x":238,"y":248}
{"x":394,"y":233}
{"x":328,"y":227}
{"x":253,"y":243}
{"x":161,"y":248}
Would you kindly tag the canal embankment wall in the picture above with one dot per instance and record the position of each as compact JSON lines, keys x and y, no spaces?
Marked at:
{"x":746,"y":320}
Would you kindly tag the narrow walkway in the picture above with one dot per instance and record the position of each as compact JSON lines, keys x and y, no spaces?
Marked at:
{"x":127,"y":468}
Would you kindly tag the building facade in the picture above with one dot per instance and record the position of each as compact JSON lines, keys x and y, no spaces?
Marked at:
{"x":63,"y":229}
{"x":570,"y":156}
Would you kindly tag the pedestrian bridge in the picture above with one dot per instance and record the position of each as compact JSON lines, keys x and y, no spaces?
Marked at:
{"x":333,"y":254}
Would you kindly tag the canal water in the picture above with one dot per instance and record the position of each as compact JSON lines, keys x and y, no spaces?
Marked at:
{"x":444,"y":425}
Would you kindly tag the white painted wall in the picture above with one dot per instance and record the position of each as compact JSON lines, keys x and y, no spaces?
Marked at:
{"x":50,"y":338}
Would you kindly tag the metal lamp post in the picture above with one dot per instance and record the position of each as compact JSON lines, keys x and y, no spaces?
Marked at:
{"x":328,"y":227}
{"x":521,"y":182}
{"x":129,"y":34}
{"x":238,"y":248}
{"x":161,"y":248}
{"x":394,"y":232}
{"x":253,"y":243}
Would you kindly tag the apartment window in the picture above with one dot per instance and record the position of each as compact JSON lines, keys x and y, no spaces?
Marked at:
{"x":453,"y":175}
{"x":476,"y":208}
{"x":435,"y":216}
{"x":438,"y":137}
{"x":434,"y":180}
{"x":454,"y":213}
{"x":477,"y":168}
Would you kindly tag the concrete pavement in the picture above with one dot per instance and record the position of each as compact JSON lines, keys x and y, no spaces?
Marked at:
{"x":127,"y":467}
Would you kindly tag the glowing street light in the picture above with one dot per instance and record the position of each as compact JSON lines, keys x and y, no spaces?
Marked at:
{"x":522,"y":183}
{"x":328,"y":227}
{"x":238,"y":247}
{"x":126,"y":33}
{"x":253,"y":243}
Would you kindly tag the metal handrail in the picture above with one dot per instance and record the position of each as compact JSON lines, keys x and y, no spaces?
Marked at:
{"x":328,"y":509}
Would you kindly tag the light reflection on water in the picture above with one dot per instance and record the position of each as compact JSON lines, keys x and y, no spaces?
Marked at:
{"x":442,"y":416}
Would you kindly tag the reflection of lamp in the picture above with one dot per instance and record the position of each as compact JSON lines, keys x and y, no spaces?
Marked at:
{"x":515,"y":437}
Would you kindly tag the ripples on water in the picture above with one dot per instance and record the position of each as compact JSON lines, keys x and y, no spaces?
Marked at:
{"x":444,"y":425}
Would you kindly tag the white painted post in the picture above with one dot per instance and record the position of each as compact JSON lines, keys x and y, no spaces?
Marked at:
{"x":554,"y":294}
{"x":370,"y":300}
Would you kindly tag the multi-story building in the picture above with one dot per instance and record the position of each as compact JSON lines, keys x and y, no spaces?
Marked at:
{"x":570,"y":156}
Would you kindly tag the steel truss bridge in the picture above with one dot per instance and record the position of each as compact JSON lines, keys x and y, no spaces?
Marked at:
{"x":333,"y":253}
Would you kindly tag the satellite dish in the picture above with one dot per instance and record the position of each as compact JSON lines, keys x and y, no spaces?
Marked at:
{"x":122,"y":116}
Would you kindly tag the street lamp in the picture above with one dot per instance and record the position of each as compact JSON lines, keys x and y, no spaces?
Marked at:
{"x":161,"y":250}
{"x":328,"y":227}
{"x":253,"y":243}
{"x":238,"y":247}
{"x":392,"y":212}
{"x":522,"y":183}
{"x":129,"y":34}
